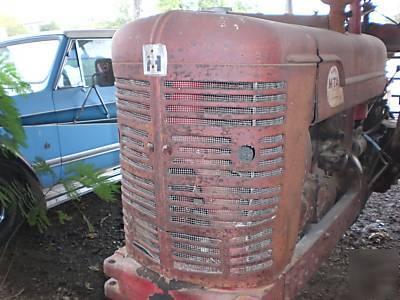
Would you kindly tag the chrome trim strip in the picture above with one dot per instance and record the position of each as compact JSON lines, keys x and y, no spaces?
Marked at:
{"x":2,"y":214}
{"x":111,"y":102}
{"x":58,"y":195}
{"x":91,"y":122}
{"x":82,"y":123}
{"x":82,"y":155}
{"x":62,"y":65}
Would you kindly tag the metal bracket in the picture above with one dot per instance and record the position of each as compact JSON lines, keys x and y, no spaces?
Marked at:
{"x":93,"y":87}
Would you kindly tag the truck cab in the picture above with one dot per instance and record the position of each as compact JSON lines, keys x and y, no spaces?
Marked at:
{"x":67,"y":117}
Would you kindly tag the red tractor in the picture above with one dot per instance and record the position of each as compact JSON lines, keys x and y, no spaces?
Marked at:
{"x":249,"y":144}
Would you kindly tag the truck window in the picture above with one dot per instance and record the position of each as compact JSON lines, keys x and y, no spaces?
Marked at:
{"x":88,"y":51}
{"x":70,"y":75}
{"x":33,"y":60}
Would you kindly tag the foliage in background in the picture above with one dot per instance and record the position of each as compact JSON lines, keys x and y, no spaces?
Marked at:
{"x":49,"y":26}
{"x":14,"y":134}
{"x":236,"y":5}
{"x":137,"y":9}
{"x":30,"y":210}
{"x":63,"y":217}
{"x":125,"y":15}
{"x":165,"y":5}
{"x":12,"y":26}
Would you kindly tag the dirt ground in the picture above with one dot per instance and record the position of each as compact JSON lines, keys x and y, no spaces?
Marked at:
{"x":66,"y":262}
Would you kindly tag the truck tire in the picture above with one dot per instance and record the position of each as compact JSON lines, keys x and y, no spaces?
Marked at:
{"x":10,"y":218}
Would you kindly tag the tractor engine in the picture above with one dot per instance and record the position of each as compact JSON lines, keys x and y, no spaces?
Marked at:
{"x":244,"y":152}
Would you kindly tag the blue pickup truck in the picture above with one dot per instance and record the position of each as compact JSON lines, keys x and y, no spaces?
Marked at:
{"x":67,"y":117}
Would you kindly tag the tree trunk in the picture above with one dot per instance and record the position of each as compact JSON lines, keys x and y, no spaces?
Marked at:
{"x":289,"y":7}
{"x":137,"y":9}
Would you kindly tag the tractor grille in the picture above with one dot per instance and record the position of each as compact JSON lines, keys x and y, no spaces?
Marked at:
{"x":247,"y":199}
{"x":202,"y":207}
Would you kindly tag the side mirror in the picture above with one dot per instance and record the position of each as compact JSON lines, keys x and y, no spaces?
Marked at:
{"x":398,"y":69}
{"x":104,"y":75}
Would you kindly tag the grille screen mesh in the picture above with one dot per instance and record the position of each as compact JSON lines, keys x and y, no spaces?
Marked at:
{"x":271,"y":151}
{"x":204,"y":151}
{"x":194,"y":161}
{"x":126,"y":129}
{"x":133,"y":82}
{"x":136,"y":164}
{"x":195,"y":258}
{"x":211,"y":85}
{"x":225,"y":202}
{"x":272,"y":139}
{"x":126,"y":92}
{"x":195,"y":238}
{"x":225,"y":98}
{"x":224,"y":173}
{"x":223,"y":190}
{"x":132,"y":105}
{"x":226,"y":110}
{"x":201,"y":139}
{"x":225,"y":123}
{"x":133,"y":115}
{"x":252,"y":268}
{"x":196,"y":268}
{"x":135,"y":153}
{"x":126,"y":140}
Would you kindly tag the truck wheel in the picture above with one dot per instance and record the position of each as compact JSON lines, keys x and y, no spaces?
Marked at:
{"x":10,"y":217}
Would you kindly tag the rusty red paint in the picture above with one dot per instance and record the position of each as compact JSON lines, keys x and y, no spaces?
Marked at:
{"x":355,"y":20}
{"x":388,"y":33}
{"x":336,"y":14}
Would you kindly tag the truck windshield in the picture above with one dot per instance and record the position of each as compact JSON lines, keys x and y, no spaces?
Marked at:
{"x":33,"y":60}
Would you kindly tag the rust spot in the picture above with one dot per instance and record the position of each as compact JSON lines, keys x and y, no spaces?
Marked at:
{"x":161,"y":297}
{"x":162,"y":283}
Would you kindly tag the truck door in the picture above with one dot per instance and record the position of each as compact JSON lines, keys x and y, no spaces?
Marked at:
{"x":86,"y":119}
{"x":34,"y":59}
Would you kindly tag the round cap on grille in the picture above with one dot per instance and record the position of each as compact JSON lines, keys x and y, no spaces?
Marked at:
{"x":247,"y":153}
